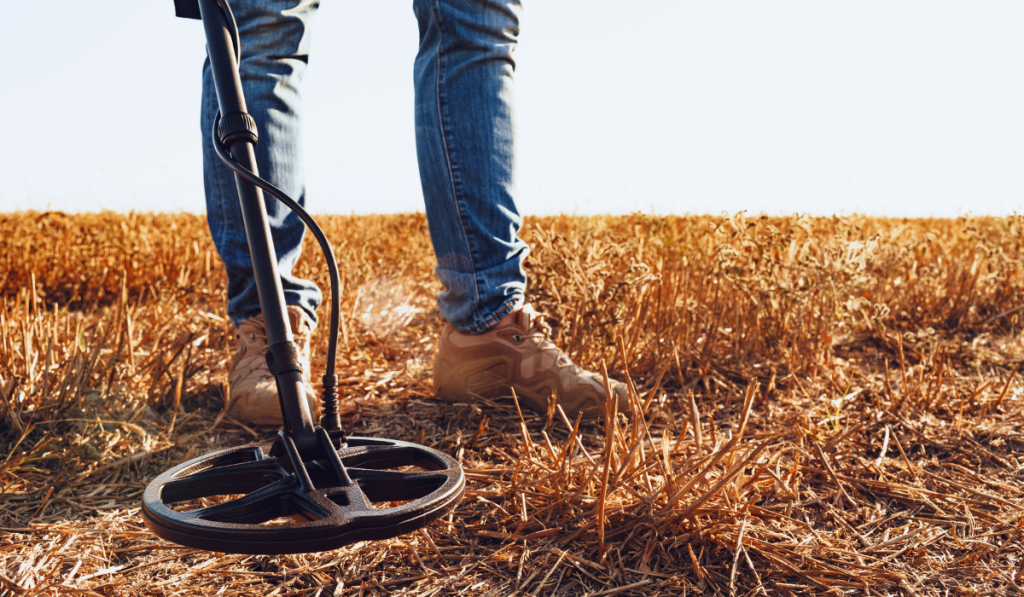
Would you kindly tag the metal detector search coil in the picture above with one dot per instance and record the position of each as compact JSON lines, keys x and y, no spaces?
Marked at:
{"x":312,"y":488}
{"x":338,"y":507}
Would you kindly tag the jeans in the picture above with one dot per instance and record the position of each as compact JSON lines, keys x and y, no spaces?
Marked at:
{"x":464,"y":142}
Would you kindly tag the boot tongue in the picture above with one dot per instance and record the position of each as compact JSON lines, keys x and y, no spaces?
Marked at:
{"x":294,"y":320}
{"x":530,"y":320}
{"x":524,"y":318}
{"x":298,"y":319}
{"x":533,"y":322}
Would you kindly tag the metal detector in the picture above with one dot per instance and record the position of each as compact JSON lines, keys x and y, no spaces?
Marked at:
{"x":312,"y":488}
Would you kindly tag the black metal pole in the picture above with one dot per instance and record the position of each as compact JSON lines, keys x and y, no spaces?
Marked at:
{"x":221,"y":51}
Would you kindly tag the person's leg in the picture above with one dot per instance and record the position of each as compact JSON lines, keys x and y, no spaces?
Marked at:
{"x":465,"y":146}
{"x":275,"y":51}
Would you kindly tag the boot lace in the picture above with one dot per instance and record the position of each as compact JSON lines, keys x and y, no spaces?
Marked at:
{"x":541,"y":331}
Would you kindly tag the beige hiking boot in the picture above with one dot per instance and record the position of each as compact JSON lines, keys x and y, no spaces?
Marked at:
{"x":519,"y":356}
{"x":253,"y":389}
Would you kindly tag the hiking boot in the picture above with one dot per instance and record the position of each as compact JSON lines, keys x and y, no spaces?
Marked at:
{"x":253,"y":389}
{"x":519,"y":355}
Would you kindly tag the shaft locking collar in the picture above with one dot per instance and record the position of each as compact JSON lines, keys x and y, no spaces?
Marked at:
{"x":238,"y":125}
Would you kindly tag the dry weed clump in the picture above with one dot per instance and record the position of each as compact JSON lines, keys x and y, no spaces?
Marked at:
{"x":818,"y":406}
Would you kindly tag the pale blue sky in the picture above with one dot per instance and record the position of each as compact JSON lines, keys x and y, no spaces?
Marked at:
{"x":882,"y":107}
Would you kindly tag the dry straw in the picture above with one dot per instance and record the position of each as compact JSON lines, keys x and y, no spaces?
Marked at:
{"x":817,"y":406}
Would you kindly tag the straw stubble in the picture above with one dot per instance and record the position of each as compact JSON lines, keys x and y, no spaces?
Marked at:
{"x":843,"y":475}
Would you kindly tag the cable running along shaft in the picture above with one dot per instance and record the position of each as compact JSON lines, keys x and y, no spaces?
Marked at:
{"x":330,"y":419}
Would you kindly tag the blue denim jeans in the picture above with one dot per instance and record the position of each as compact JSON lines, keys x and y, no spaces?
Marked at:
{"x":464,"y":142}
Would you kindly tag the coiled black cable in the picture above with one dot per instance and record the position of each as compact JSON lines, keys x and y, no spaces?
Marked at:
{"x":330,"y":419}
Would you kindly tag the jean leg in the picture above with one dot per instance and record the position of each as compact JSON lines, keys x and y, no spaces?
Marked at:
{"x":465,"y":147}
{"x":275,"y":51}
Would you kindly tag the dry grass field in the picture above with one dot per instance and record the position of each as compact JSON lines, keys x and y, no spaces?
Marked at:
{"x":823,"y":406}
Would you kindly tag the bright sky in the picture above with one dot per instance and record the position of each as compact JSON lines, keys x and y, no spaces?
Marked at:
{"x":886,"y":107}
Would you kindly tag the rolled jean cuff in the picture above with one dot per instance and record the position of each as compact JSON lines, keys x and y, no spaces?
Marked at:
{"x":290,"y":299}
{"x":463,"y":306}
{"x":489,"y":321}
